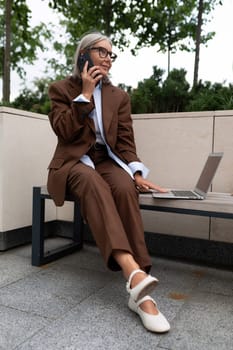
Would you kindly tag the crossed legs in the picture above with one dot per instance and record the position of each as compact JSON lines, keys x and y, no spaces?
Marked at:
{"x":109,"y":203}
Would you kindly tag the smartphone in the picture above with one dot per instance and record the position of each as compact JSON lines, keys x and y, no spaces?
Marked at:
{"x":83,"y":57}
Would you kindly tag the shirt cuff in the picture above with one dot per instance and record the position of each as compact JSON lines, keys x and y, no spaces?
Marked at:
{"x":138,"y":166}
{"x":85,"y":159}
{"x":81,"y":98}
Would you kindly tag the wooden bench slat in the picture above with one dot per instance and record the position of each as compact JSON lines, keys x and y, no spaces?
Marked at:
{"x":216,"y":202}
{"x":219,"y":203}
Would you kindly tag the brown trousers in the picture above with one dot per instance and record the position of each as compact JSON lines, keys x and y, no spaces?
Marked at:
{"x":109,"y":204}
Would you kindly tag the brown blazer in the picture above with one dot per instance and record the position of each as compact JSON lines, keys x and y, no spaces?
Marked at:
{"x":76,"y":131}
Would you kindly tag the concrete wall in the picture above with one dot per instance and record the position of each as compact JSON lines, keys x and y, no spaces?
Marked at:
{"x":26,"y":146}
{"x":174,"y":146}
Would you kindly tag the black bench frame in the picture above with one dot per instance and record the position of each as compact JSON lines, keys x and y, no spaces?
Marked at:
{"x":40,"y":194}
{"x":39,"y":256}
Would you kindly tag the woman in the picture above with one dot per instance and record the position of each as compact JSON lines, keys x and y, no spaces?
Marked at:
{"x":95,"y":160}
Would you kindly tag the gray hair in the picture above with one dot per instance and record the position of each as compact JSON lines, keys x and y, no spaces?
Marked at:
{"x":87,"y":41}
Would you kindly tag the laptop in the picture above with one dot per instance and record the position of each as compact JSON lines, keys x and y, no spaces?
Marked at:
{"x":203,"y":183}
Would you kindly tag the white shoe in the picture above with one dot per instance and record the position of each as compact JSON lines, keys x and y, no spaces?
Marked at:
{"x":154,"y":323}
{"x":142,"y":288}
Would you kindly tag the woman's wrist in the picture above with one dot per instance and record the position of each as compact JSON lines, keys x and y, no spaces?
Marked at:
{"x":137,"y":174}
{"x":87,"y":95}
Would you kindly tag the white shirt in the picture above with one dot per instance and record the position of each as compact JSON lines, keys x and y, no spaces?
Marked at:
{"x":96,"y":115}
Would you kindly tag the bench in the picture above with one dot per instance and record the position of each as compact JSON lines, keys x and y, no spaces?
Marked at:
{"x":218,"y":205}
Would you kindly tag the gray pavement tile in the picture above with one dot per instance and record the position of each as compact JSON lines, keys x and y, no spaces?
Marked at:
{"x":204,"y":322}
{"x":52,"y":291}
{"x":14,"y":268}
{"x":176,"y":284}
{"x":86,"y":305}
{"x":103,"y":321}
{"x":17,"y":326}
{"x":176,"y":272}
{"x":217,"y":281}
{"x":87,"y":258}
{"x":165,"y":294}
{"x":50,"y":243}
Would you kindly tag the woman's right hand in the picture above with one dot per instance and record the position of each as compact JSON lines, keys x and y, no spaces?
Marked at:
{"x":90,"y":78}
{"x":143,"y":185}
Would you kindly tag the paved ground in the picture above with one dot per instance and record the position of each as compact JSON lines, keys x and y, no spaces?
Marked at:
{"x":76,"y":304}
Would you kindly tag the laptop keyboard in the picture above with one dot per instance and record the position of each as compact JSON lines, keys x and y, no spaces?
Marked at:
{"x":183,"y":193}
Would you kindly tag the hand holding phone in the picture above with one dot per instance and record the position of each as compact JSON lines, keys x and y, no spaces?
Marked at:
{"x":87,"y":78}
{"x":83,"y":57}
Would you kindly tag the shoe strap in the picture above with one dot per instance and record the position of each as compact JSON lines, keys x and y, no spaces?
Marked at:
{"x":147,"y":297}
{"x":128,"y":284}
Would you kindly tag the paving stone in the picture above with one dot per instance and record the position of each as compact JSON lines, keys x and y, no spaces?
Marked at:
{"x":217,"y":281}
{"x":14,"y":268}
{"x":204,"y":322}
{"x":17,"y":326}
{"x":52,"y":291}
{"x":50,"y":243}
{"x":102,"y":321}
{"x":87,"y":258}
{"x":76,"y":303}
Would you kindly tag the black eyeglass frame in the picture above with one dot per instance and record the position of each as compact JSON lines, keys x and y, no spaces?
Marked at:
{"x":100,"y":49}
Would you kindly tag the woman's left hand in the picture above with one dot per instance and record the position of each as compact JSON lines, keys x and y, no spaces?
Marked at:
{"x":145,"y":185}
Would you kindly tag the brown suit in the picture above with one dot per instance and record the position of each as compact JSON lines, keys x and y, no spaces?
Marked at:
{"x":99,"y":191}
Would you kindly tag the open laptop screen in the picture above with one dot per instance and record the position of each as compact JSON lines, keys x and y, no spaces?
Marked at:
{"x":208,"y":172}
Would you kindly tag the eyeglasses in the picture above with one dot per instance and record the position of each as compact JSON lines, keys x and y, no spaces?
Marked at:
{"x":103,"y":53}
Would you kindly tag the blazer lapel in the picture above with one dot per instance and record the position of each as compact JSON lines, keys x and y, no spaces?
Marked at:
{"x":108,"y":108}
{"x":75,"y":89}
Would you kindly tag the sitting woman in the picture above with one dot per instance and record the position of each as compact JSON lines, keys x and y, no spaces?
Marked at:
{"x":96,"y":161}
